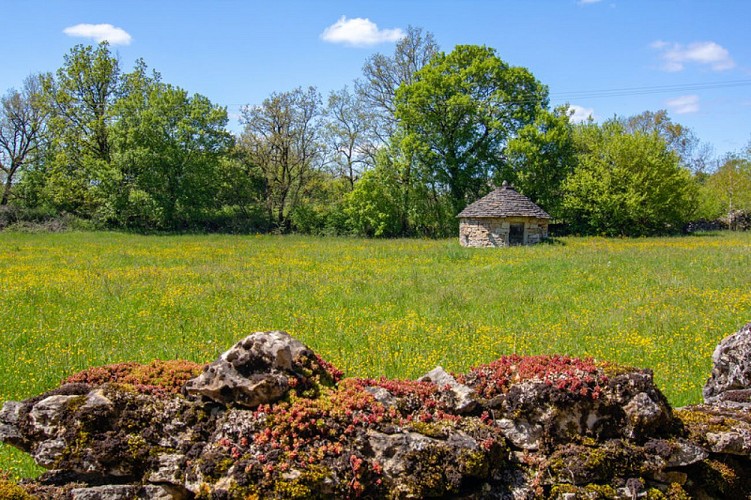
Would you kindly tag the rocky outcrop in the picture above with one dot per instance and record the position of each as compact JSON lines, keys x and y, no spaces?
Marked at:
{"x":270,"y":418}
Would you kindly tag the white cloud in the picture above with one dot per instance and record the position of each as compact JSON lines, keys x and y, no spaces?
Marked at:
{"x":359,"y":32}
{"x":676,"y":55}
{"x":579,"y":114}
{"x":684,"y":104}
{"x":100,"y":33}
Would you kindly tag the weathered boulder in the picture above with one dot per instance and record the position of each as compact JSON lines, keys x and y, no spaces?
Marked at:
{"x":272,"y":419}
{"x":465,"y":399}
{"x":259,"y":369}
{"x":730,"y":381}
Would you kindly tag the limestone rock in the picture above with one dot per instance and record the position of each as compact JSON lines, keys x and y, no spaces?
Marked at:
{"x":675,"y":452}
{"x":718,"y":428}
{"x":46,"y":415}
{"x":107,"y":492}
{"x":465,"y":399}
{"x":382,"y":395}
{"x":9,"y":421}
{"x":684,"y":453}
{"x":730,"y":442}
{"x":581,"y":465}
{"x":123,"y":492}
{"x":417,"y":466}
{"x":169,"y":469}
{"x":391,"y":449}
{"x":255,"y":371}
{"x":522,"y":433}
{"x":644,"y":415}
{"x":534,"y":413}
{"x":730,"y":381}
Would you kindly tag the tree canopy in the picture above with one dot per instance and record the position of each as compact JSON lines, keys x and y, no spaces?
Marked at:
{"x":626,"y":184}
{"x":421,"y":134}
{"x":168,"y":147}
{"x":460,"y":113}
{"x":729,"y":187}
{"x":22,"y":131}
{"x":282,"y":137}
{"x":540,"y":158}
{"x":383,"y":75}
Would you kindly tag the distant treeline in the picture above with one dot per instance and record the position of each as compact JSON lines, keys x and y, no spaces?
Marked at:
{"x":400,"y":152}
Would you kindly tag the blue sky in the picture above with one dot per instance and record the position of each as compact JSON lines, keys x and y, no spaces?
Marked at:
{"x":605,"y":57}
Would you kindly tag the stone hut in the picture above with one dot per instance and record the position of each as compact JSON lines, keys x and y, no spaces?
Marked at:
{"x":502,"y":218}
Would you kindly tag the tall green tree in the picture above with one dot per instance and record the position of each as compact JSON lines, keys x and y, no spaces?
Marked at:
{"x":626,"y":184}
{"x":729,"y":187}
{"x":540,"y":158}
{"x":460,"y":113}
{"x":283,"y":138}
{"x":22,"y":127}
{"x":372,"y":207}
{"x":168,"y":149}
{"x":349,"y":134}
{"x":80,"y":98}
{"x":692,"y":153}
{"x":123,"y":202}
{"x":383,"y":75}
{"x":240,"y":194}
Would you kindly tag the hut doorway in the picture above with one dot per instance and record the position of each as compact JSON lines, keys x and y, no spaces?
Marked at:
{"x":516,"y":234}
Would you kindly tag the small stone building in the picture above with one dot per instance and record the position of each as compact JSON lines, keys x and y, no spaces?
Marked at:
{"x":502,"y":218}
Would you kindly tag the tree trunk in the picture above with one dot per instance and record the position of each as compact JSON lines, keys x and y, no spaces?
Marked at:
{"x":6,"y":190}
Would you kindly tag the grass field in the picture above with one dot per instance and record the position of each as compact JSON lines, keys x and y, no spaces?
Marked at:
{"x":396,"y":308}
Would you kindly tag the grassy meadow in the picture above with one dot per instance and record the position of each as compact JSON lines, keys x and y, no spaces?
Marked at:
{"x":373,"y":307}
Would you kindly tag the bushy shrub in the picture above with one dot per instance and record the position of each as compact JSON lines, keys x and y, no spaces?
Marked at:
{"x":626,"y":184}
{"x":372,"y":207}
{"x":41,"y":219}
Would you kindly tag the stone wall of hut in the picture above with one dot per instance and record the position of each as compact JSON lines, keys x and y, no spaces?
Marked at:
{"x":494,"y":232}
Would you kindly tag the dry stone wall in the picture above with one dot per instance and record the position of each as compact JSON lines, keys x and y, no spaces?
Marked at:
{"x":271,"y":419}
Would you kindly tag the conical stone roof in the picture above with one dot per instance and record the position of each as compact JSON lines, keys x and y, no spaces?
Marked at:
{"x":504,"y":202}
